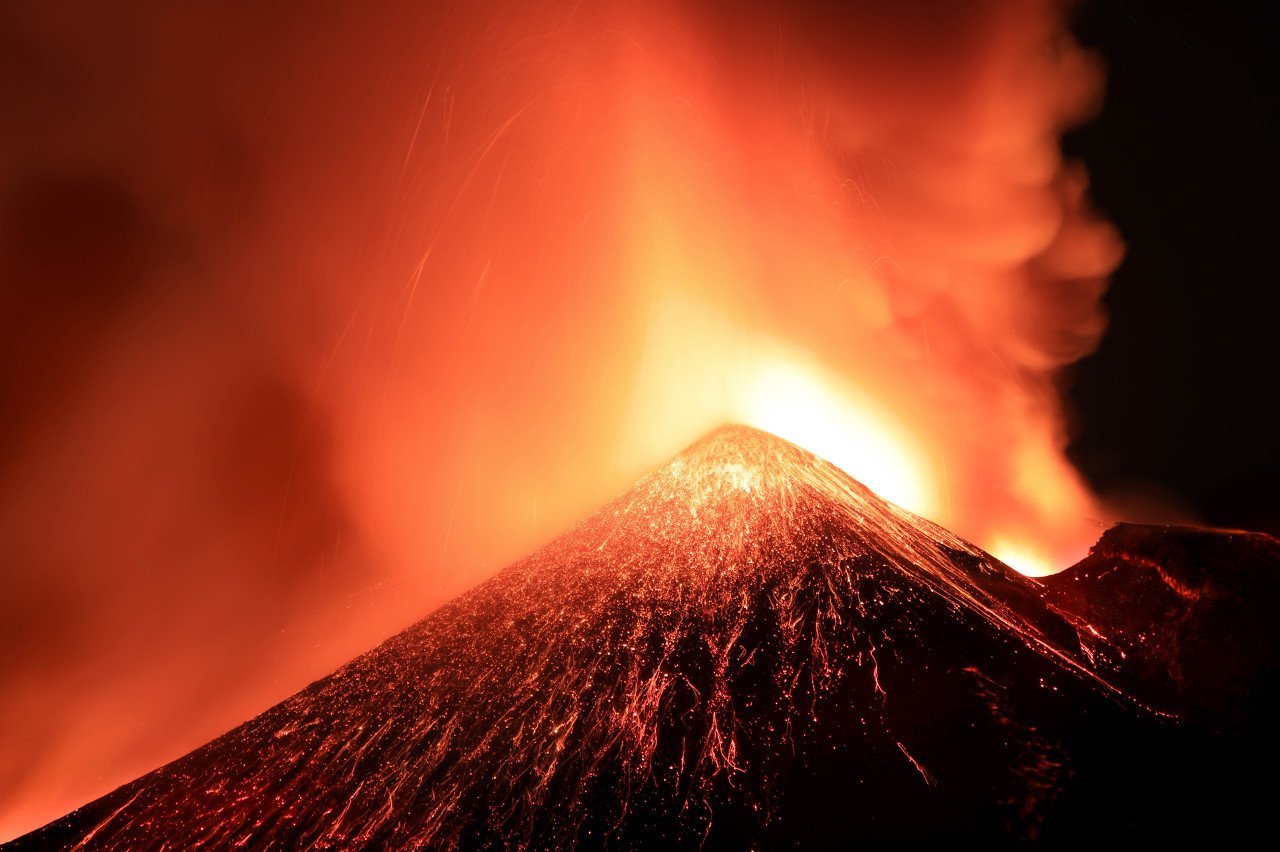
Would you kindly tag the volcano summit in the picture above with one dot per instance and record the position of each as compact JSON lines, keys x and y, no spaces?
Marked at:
{"x":747,"y":648}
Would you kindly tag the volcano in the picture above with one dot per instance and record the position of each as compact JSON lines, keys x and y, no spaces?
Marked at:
{"x":746,"y":649}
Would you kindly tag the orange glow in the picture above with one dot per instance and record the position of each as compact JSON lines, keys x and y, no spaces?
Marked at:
{"x":851,"y":433}
{"x":1025,"y":558}
{"x":367,"y":303}
{"x":701,"y":370}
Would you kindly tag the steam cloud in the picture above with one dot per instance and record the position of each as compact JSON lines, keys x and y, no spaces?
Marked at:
{"x":312,"y":318}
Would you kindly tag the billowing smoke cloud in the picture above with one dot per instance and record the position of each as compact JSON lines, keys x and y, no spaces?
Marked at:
{"x":313,"y":317}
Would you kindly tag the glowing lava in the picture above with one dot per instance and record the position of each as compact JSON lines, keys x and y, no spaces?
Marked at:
{"x":746,"y":648}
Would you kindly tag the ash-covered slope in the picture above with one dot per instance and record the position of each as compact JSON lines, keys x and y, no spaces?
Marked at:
{"x":748,"y":647}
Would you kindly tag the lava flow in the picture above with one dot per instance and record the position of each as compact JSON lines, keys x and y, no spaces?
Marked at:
{"x":746,"y":647}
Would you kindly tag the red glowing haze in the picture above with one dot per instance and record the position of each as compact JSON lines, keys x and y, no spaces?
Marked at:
{"x":310,"y":321}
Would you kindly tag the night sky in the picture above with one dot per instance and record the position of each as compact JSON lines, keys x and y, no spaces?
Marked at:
{"x":1180,"y":395}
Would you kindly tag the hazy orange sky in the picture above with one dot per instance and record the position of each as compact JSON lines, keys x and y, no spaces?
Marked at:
{"x":313,"y":319}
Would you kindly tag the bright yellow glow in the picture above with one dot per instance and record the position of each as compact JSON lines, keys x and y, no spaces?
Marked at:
{"x":701,"y":369}
{"x":798,"y":402}
{"x":1022,"y":557}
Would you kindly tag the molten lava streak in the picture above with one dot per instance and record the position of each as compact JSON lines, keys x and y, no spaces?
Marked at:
{"x":747,"y":647}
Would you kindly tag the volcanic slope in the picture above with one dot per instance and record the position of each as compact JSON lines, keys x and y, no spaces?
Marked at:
{"x":746,"y":648}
